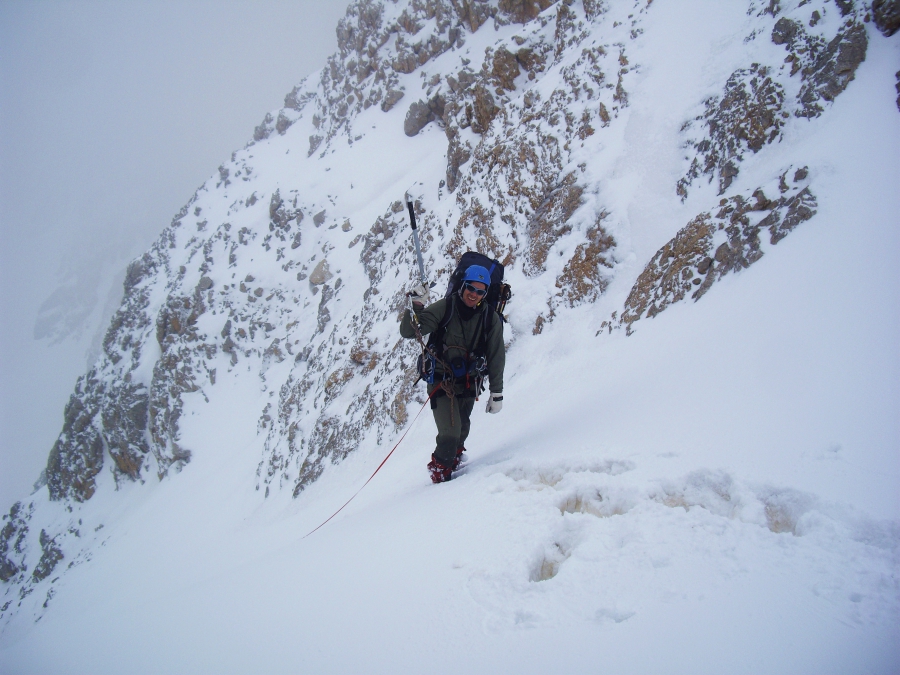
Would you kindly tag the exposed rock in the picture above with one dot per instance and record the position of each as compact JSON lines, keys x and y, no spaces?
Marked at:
{"x":523,"y":11}
{"x":50,"y":556}
{"x":897,"y":87}
{"x":321,"y":274}
{"x":833,"y":69}
{"x":583,"y":280}
{"x":550,"y":222}
{"x":785,"y":31}
{"x":297,"y":101}
{"x":418,"y":115}
{"x":314,"y":142}
{"x":747,"y":117}
{"x":531,"y":60}
{"x":846,"y":6}
{"x":77,"y":455}
{"x":282,"y":216}
{"x":12,"y":542}
{"x":265,"y":128}
{"x":125,"y":426}
{"x":484,"y":109}
{"x":283,"y":123}
{"x":714,"y":245}
{"x":473,"y":13}
{"x":887,"y":16}
{"x":593,"y":8}
{"x":457,"y":155}
{"x":753,"y":107}
{"x":390,"y":99}
{"x":324,"y":315}
{"x":504,"y":69}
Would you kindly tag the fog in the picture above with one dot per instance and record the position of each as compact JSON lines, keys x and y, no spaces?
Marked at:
{"x":112,"y":114}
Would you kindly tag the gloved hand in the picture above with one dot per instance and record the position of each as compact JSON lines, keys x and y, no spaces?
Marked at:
{"x":420,"y":295}
{"x":495,"y":402}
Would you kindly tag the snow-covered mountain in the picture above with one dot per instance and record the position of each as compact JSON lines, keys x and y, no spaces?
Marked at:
{"x":713,"y":489}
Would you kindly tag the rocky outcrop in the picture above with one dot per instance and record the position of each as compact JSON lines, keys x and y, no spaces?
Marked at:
{"x":746,"y":117}
{"x":418,"y":115}
{"x":550,"y":222}
{"x":50,"y":557}
{"x":717,"y":243}
{"x":830,"y":68}
{"x":887,"y":16}
{"x":586,"y":275}
{"x":77,"y":455}
{"x":12,"y":542}
{"x":897,"y":87}
{"x":523,"y":11}
{"x":754,"y":105}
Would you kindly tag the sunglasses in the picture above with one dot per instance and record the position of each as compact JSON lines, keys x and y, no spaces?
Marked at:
{"x":480,"y":292}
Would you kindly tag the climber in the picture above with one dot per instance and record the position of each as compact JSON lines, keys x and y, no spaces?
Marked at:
{"x":466,"y":338}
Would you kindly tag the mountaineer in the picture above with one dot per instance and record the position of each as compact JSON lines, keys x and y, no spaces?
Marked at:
{"x":465,"y":344}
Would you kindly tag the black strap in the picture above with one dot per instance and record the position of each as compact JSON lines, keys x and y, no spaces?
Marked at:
{"x":436,"y":338}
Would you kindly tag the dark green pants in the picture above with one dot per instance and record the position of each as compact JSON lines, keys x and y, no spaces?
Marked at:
{"x":453,"y":429}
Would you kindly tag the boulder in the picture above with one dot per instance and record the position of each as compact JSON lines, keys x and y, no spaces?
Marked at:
{"x":321,"y":273}
{"x":418,"y":115}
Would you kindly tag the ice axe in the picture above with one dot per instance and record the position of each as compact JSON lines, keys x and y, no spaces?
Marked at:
{"x":415,"y":232}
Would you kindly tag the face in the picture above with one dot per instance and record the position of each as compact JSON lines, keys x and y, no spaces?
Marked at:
{"x":470,"y":298}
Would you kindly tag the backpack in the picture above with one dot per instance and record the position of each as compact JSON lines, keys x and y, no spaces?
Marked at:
{"x":498,"y":293}
{"x":496,"y":298}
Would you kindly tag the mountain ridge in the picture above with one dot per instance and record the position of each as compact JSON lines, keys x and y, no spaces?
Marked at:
{"x":312,"y":314}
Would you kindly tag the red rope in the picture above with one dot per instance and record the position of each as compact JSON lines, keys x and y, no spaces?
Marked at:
{"x":382,"y":462}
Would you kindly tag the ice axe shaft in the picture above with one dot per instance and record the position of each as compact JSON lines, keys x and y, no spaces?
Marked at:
{"x":415,"y":231}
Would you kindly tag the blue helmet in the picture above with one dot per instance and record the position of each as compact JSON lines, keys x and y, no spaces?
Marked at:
{"x":478,"y":273}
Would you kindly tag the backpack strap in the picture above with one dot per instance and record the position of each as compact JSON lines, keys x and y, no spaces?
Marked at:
{"x":436,"y":338}
{"x":486,"y":326}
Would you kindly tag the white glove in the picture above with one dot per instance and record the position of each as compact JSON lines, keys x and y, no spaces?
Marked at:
{"x":420,"y":295}
{"x":495,"y":403}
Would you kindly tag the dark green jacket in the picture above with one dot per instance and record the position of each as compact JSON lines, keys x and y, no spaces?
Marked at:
{"x":460,"y":335}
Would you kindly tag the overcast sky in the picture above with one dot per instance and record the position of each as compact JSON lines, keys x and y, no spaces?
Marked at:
{"x":111,"y":114}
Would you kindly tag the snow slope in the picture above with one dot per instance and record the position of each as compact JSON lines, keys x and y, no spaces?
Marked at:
{"x":716,"y":492}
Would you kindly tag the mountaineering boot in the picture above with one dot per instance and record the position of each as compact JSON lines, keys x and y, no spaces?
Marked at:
{"x":439,"y":472}
{"x":459,"y":457}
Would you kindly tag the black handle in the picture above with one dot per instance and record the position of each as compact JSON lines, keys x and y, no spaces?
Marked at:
{"x":412,"y":215}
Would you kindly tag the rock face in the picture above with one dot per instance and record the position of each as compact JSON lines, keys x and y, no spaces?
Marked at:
{"x":887,"y":16}
{"x":753,"y":107}
{"x":719,"y":242}
{"x":746,"y":117}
